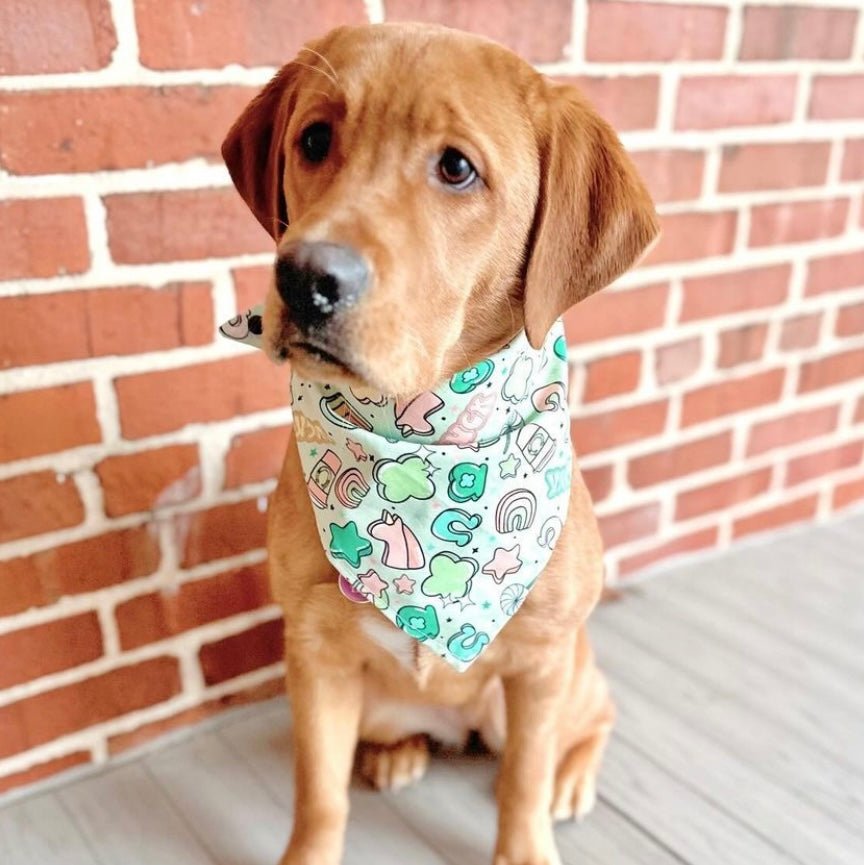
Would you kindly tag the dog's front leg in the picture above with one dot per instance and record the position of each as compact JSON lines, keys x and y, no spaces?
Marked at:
{"x":527,"y":776}
{"x":327,"y":703}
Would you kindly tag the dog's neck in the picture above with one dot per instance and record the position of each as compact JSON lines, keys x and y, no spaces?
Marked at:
{"x":442,"y":509}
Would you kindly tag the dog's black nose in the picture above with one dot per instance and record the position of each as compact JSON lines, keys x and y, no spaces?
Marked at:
{"x":319,"y":279}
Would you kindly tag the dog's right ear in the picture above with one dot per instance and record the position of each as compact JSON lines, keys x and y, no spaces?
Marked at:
{"x":254,"y":151}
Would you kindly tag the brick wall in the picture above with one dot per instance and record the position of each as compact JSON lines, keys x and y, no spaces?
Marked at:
{"x":717,"y":392}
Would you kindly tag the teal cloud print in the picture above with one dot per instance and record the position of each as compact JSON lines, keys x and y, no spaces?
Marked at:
{"x":449,"y":577}
{"x":405,"y":478}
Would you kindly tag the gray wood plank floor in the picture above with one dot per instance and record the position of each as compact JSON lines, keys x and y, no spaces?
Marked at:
{"x":740,"y":684}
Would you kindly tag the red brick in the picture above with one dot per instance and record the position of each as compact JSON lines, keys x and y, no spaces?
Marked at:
{"x":147,"y":227}
{"x":39,"y":36}
{"x":746,"y":167}
{"x":36,"y":503}
{"x":853,"y":160}
{"x":147,"y":732}
{"x":654,"y":31}
{"x":158,"y":402}
{"x":242,"y":653}
{"x":251,"y":285}
{"x":41,"y":771}
{"x":29,"y":653}
{"x":164,"y":614}
{"x":717,"y":101}
{"x":627,"y":102}
{"x":42,"y":237}
{"x":677,"y":361}
{"x":65,"y":131}
{"x":176,"y":34}
{"x":824,"y":463}
{"x":835,"y":273}
{"x":613,"y":313}
{"x":223,"y":531}
{"x":831,"y":370}
{"x":613,"y":429}
{"x":741,"y":345}
{"x":798,"y":221}
{"x":73,"y":569}
{"x":847,"y":494}
{"x":537,"y":38}
{"x":732,"y":396}
{"x":850,"y":320}
{"x":150,"y":479}
{"x":688,"y":236}
{"x":61,"y":334}
{"x":686,"y":459}
{"x":599,"y":482}
{"x":256,"y":456}
{"x":700,"y":540}
{"x":837,"y":97}
{"x":741,"y":291}
{"x":800,"y":332}
{"x":797,"y":32}
{"x":79,"y":324}
{"x":774,"y":518}
{"x":722,"y":495}
{"x":176,"y":315}
{"x":671,"y":175}
{"x":46,"y":421}
{"x":629,"y":525}
{"x":791,"y":429}
{"x":35,"y":720}
{"x":611,"y":376}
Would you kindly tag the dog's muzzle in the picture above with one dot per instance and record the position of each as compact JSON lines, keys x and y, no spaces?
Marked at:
{"x":317,"y":280}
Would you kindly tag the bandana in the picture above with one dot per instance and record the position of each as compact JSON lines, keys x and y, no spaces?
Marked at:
{"x":441,"y":510}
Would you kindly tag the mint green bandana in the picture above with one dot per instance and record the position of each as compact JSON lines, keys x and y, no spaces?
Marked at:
{"x":441,"y":510}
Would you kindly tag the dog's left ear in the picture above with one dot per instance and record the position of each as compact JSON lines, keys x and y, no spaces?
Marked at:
{"x":253,"y":150}
{"x":594,"y":217}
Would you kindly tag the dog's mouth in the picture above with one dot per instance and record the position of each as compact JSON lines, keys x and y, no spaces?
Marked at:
{"x":320,"y":354}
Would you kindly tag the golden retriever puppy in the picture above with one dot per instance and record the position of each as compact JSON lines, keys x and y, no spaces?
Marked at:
{"x":436,"y":205}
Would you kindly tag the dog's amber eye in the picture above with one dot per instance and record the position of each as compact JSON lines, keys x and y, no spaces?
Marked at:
{"x":315,"y":142}
{"x":455,"y":169}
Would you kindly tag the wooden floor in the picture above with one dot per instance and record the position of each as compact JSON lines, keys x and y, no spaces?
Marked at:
{"x":740,"y":682}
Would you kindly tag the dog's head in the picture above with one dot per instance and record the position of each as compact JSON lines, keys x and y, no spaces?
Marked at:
{"x":430,"y":194}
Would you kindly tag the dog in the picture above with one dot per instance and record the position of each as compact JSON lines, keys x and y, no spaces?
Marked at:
{"x":436,"y":205}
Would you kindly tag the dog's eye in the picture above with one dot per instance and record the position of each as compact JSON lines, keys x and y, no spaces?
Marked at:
{"x":315,"y":142}
{"x":455,"y":169}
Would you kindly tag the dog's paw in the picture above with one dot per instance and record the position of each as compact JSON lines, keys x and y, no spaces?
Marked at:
{"x":550,"y":858}
{"x":575,"y":798}
{"x":391,"y":767}
{"x":575,"y":792}
{"x":505,"y":860}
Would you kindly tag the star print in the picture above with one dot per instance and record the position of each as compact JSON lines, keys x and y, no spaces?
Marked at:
{"x":502,"y":563}
{"x":357,"y":450}
{"x":313,"y":452}
{"x":475,"y":550}
{"x":487,"y":605}
{"x":508,"y":466}
{"x":373,"y":583}
{"x":404,"y":585}
{"x":347,"y":543}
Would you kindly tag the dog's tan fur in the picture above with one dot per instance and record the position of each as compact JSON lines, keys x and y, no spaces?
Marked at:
{"x":560,"y":214}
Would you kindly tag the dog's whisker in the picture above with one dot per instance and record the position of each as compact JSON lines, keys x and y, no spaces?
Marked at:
{"x":323,"y":72}
{"x":329,"y":64}
{"x":313,"y":90}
